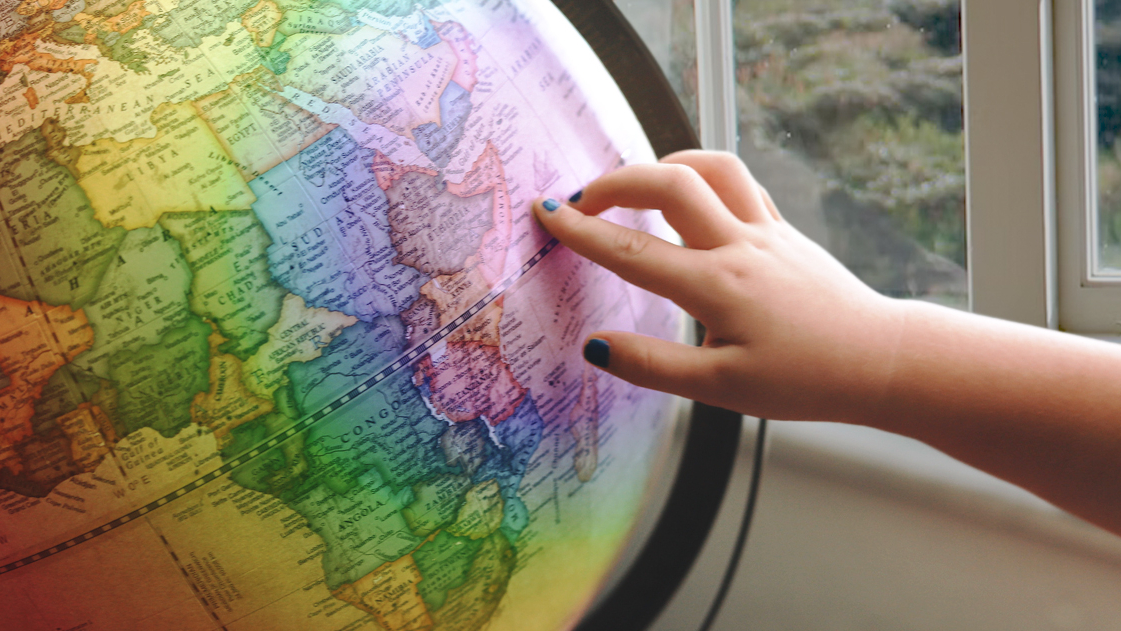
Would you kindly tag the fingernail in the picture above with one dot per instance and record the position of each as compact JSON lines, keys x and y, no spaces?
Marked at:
{"x":597,"y":352}
{"x":576,"y":196}
{"x":550,"y":204}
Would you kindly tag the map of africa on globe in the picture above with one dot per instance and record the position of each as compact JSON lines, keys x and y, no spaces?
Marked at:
{"x":281,"y":345}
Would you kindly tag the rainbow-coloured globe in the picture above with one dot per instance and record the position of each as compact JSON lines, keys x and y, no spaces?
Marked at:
{"x":281,"y":346}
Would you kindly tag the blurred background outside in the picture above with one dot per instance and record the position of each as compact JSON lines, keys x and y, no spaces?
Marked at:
{"x":850,"y":113}
{"x":1107,"y":40}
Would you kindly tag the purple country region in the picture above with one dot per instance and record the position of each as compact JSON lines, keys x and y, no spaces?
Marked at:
{"x":327,"y":219}
{"x":439,"y":141}
{"x":518,"y":438}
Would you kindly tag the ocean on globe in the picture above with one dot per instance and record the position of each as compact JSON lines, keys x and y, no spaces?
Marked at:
{"x":281,"y":344}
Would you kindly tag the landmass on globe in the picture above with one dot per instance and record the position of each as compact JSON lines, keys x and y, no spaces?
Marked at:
{"x":280,"y":343}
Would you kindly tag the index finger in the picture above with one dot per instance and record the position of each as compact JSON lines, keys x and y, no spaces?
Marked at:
{"x":639,"y":258}
{"x":688,"y":203}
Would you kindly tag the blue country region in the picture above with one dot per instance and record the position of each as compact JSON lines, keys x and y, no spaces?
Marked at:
{"x":327,"y":219}
{"x":439,"y":141}
{"x":429,"y":38}
{"x":519,"y":435}
{"x":351,"y":358}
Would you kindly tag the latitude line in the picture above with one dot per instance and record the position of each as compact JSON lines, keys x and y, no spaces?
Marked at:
{"x":405,"y":358}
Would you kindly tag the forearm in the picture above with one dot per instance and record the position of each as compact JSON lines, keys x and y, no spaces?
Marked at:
{"x":1038,"y":408}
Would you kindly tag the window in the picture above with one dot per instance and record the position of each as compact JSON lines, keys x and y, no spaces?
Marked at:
{"x":850,"y":112}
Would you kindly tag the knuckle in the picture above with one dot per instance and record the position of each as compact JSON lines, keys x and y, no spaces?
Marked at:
{"x":630,"y":243}
{"x":643,"y":361}
{"x":732,"y":272}
{"x":680,"y":176}
{"x":727,"y":160}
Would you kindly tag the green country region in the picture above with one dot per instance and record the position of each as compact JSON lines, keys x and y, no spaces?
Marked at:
{"x":362,"y":527}
{"x":232,"y":284}
{"x":142,"y":296}
{"x":71,"y":32}
{"x":436,"y":503}
{"x":362,"y":462}
{"x":388,"y":430}
{"x":443,"y":563}
{"x":157,"y":382}
{"x":281,"y":470}
{"x":274,"y":59}
{"x":49,"y":229}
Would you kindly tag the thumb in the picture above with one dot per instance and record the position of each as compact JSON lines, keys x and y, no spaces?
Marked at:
{"x":688,"y":371}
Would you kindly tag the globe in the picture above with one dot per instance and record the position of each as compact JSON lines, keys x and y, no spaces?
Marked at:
{"x":281,"y":344}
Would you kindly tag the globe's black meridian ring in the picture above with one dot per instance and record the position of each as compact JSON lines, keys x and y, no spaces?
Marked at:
{"x":406,"y":358}
{"x":713,"y":436}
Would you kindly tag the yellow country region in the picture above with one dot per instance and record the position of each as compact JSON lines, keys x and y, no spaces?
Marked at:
{"x":183,"y":168}
{"x":261,"y":20}
{"x":228,"y":403}
{"x":381,"y":78}
{"x":298,"y":336}
{"x":123,"y":22}
{"x":481,"y":513}
{"x":390,"y":594}
{"x":455,"y":293}
{"x":258,"y":127}
{"x":560,"y":581}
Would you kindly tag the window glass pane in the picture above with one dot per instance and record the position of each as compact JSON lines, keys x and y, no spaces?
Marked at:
{"x":850,"y":114}
{"x":667,"y":28}
{"x":1107,"y":41}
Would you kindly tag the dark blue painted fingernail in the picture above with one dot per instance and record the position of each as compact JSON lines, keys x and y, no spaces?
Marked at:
{"x":550,"y":204}
{"x":597,"y":352}
{"x":576,"y":196}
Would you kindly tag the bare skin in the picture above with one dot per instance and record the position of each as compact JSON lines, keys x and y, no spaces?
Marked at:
{"x":793,"y":335}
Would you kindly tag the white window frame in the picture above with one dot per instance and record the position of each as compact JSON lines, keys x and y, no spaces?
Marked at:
{"x":1087,"y":304}
{"x":1031,"y":176}
{"x":716,"y":75}
{"x":1010,"y":173}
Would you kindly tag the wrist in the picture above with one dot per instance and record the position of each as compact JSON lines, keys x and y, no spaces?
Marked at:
{"x":884,"y":327}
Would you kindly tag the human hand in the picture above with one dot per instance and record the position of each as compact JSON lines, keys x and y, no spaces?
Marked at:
{"x":791,"y":333}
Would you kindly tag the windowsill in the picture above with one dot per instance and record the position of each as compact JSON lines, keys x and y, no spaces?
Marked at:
{"x":910,"y":471}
